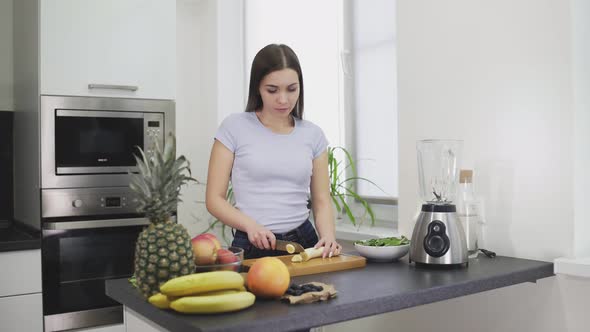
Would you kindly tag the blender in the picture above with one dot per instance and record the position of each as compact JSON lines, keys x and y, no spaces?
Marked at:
{"x":438,"y":238}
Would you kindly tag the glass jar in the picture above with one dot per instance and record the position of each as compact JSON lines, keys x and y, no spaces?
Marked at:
{"x":469,"y":209}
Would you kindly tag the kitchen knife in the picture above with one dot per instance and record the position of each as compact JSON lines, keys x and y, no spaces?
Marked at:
{"x":282,"y":245}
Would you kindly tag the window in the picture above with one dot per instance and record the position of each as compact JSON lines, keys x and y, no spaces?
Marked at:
{"x":369,"y":46}
{"x":347,"y":52}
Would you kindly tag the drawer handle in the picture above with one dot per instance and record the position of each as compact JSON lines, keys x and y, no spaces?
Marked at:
{"x":113,"y":87}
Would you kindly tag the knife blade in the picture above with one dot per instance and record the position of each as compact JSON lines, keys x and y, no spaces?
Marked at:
{"x":282,"y":245}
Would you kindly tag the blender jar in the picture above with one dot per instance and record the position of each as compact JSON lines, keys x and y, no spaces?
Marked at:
{"x":438,"y":170}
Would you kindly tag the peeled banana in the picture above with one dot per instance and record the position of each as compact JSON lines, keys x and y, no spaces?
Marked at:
{"x":202,"y":282}
{"x":213,"y":303}
{"x":308,"y":254}
{"x":290,"y":248}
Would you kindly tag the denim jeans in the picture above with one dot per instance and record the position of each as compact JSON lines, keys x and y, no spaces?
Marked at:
{"x":305,"y":235}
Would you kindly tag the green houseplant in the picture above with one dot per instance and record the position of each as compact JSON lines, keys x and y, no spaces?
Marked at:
{"x":343,"y":176}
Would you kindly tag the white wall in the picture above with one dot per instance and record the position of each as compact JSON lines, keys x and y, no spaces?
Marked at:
{"x":231,"y":80}
{"x":6,"y":74}
{"x":581,"y":71}
{"x":511,"y":79}
{"x":497,"y":75}
{"x":196,"y":101}
{"x":209,"y":87}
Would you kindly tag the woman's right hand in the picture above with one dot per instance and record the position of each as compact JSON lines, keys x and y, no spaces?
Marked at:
{"x":261,"y":237}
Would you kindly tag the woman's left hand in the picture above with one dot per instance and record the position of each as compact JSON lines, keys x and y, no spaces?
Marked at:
{"x":331,"y":247}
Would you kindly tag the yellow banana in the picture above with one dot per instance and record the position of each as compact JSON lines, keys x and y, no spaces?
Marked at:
{"x":220,"y":292}
{"x":213,"y":303}
{"x":202,"y":282}
{"x":161,"y":301}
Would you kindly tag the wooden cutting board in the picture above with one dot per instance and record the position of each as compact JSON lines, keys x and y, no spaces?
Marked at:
{"x":317,"y":265}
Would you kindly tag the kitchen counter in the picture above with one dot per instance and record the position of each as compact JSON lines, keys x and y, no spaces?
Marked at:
{"x":14,"y":237}
{"x":375,"y":289}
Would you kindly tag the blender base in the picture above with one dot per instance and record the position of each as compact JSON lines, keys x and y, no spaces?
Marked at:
{"x":438,"y":238}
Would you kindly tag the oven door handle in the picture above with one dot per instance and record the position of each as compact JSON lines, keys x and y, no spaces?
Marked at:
{"x":89,"y":224}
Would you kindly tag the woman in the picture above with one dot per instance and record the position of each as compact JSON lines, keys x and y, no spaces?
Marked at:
{"x":275,"y":159}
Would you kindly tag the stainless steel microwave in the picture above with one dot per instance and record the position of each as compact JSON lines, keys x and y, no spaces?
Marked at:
{"x":89,"y":142}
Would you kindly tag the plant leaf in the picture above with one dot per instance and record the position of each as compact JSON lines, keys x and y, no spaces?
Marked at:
{"x":342,"y":186}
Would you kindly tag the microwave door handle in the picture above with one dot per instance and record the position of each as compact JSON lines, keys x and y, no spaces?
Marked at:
{"x":112,"y":87}
{"x":89,"y":224}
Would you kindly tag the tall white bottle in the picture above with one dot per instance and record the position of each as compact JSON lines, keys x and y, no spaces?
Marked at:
{"x":469,"y":210}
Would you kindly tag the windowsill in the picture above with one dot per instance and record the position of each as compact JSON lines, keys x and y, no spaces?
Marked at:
{"x":347,"y":231}
{"x":577,"y":267}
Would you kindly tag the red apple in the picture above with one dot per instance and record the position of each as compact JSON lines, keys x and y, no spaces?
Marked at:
{"x":225,"y":256}
{"x":211,"y":237}
{"x":204,"y":251}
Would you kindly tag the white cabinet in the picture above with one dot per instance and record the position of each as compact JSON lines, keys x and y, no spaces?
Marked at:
{"x":21,"y":302}
{"x":21,"y":272}
{"x":125,"y":44}
{"x":137,"y":323}
{"x":22,"y":313}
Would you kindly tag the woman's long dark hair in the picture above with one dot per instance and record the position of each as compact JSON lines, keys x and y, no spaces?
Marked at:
{"x":271,"y":58}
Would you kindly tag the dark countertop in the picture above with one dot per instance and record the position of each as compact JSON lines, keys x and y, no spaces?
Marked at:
{"x":375,"y":289}
{"x":14,"y":237}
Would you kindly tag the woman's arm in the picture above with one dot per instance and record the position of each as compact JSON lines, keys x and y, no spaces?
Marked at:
{"x":220,"y":165}
{"x":321,"y":204}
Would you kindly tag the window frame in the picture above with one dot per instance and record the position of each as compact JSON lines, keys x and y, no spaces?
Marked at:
{"x":349,"y":96}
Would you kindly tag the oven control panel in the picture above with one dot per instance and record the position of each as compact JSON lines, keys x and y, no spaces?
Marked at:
{"x":154,"y":132}
{"x":87,"y":202}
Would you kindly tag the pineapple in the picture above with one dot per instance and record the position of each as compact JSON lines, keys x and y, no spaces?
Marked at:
{"x":163,"y":250}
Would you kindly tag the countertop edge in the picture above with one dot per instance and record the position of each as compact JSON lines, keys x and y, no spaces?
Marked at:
{"x":349,"y":311}
{"x":397,"y":302}
{"x":17,"y":237}
{"x":20,"y":245}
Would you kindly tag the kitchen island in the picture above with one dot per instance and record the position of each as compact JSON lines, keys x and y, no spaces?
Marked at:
{"x":375,"y":289}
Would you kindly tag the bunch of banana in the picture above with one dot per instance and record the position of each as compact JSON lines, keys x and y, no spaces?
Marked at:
{"x":208,"y":292}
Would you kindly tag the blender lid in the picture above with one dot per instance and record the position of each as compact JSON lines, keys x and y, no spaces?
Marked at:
{"x":439,"y":208}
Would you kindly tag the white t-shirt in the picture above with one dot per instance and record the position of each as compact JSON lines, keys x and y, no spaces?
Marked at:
{"x":271,"y":174}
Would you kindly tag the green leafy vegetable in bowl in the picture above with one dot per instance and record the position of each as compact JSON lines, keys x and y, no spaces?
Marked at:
{"x":385,"y":242}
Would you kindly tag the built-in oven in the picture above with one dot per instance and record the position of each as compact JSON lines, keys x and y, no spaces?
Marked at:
{"x":91,"y":141}
{"x":89,"y":218}
{"x":78,"y":256}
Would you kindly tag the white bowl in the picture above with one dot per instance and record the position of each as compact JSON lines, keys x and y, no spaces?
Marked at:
{"x":383,"y":253}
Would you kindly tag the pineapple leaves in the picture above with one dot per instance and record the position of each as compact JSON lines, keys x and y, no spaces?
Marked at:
{"x":160,"y":178}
